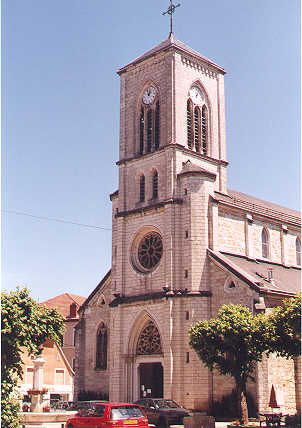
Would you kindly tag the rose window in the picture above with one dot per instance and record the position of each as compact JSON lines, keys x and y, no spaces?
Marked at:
{"x":150,"y":250}
{"x":149,"y":341}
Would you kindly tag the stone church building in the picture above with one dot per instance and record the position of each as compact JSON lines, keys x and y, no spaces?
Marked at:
{"x":183,"y":243}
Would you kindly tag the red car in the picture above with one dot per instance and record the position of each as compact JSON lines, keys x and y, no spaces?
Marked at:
{"x":101,"y":414}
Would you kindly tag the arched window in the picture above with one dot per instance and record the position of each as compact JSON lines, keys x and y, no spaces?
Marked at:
{"x":149,"y":131}
{"x":155,"y":185}
{"x":142,"y":188}
{"x":157,"y":126}
{"x":101,"y":348}
{"x":141,"y":131}
{"x":298,"y":251}
{"x":204,"y":129}
{"x":190,"y":124}
{"x":264,"y":238}
{"x":149,"y":121}
{"x":197,"y":129}
{"x":149,"y":341}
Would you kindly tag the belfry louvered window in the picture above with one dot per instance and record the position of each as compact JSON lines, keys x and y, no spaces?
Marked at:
{"x":197,"y":128}
{"x":142,"y":188}
{"x":155,"y":185}
{"x":190,"y":124}
{"x":298,"y":251}
{"x":141,"y":131}
{"x":149,"y":131}
{"x":204,"y":129}
{"x":157,"y":126}
{"x":265,"y":248}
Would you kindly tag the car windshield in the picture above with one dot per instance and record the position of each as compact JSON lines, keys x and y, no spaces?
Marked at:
{"x":166,"y":403}
{"x":126,"y":412}
{"x":97,"y":410}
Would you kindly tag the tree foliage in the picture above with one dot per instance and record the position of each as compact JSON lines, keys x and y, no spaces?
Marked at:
{"x":25,"y":325}
{"x":235,"y":341}
{"x":284,"y":328}
{"x":232,"y":343}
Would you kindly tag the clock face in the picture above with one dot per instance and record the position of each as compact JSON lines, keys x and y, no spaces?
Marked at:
{"x":196,"y":95}
{"x":149,"y":95}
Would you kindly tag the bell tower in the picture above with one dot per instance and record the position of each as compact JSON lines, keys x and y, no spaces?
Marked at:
{"x":172,"y":158}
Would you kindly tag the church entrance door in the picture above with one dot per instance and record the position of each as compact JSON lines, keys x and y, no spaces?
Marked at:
{"x":151,"y":380}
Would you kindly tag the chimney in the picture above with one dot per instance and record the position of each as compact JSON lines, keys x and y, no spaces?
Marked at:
{"x":270,"y":275}
{"x":73,"y":310}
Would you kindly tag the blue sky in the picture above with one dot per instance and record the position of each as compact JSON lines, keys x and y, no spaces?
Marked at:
{"x":60,"y":119}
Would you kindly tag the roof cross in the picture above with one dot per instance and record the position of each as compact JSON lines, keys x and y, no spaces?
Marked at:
{"x":170,"y":11}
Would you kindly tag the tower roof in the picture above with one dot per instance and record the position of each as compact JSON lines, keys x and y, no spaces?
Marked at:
{"x":171,"y":43}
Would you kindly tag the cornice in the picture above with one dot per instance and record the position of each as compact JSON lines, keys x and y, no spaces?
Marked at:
{"x":159,"y":295}
{"x":177,"y":147}
{"x":175,"y":47}
{"x":275,"y":217}
{"x":153,"y":206}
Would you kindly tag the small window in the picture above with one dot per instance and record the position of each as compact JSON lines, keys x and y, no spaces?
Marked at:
{"x":155,"y":185}
{"x":60,"y":376}
{"x":186,"y":234}
{"x":186,"y":273}
{"x":157,"y":127}
{"x":142,"y":188}
{"x":204,"y":129}
{"x":229,"y":285}
{"x":141,"y":131}
{"x":149,"y":131}
{"x":298,"y":251}
{"x":197,"y":129}
{"x":264,"y":237}
{"x":188,"y":358}
{"x":190,"y":124}
{"x":101,"y":348}
{"x":187,"y":315}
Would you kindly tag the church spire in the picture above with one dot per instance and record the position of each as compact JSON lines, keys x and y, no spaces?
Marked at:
{"x":170,"y":11}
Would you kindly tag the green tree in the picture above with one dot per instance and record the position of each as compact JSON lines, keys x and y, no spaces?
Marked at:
{"x":284,"y":328}
{"x":232,"y":343}
{"x":25,"y":325}
{"x":284,"y":336}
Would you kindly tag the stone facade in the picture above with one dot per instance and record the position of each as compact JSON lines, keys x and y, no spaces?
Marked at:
{"x":211,"y":243}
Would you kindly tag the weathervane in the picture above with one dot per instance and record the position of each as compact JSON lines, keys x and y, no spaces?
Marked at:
{"x":170,"y":11}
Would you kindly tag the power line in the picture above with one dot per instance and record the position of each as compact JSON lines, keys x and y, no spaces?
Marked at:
{"x":56,"y":219}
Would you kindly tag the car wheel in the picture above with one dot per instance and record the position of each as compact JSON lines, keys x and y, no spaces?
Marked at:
{"x":162,"y":423}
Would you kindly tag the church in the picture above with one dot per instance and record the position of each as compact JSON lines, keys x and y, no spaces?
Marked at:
{"x":183,"y":244}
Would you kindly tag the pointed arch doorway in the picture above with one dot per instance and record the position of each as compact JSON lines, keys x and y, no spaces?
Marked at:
{"x":148,"y":371}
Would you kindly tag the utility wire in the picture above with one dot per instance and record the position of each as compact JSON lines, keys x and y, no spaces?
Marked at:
{"x":56,"y":219}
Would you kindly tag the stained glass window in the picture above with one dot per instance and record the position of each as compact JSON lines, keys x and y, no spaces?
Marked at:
{"x":149,"y":341}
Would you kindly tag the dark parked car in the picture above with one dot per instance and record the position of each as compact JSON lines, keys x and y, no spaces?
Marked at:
{"x":163,"y":413}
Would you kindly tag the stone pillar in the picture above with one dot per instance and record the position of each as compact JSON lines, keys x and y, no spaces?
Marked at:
{"x":36,"y":400}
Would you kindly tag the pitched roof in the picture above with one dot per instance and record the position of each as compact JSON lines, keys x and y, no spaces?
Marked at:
{"x":63,"y":302}
{"x":190,"y":168}
{"x":97,"y":288}
{"x":255,"y":272}
{"x":258,"y":206}
{"x":171,"y":42}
